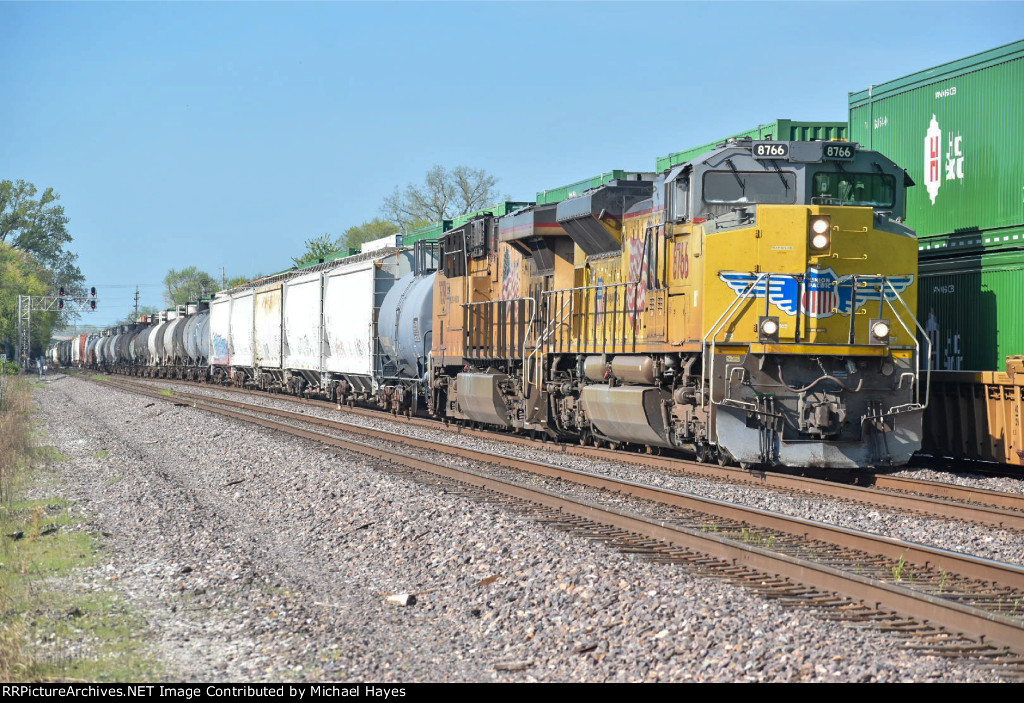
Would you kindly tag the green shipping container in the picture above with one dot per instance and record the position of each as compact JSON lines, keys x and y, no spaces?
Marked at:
{"x":557,"y":195}
{"x":496,"y":210}
{"x":432,"y":231}
{"x":786,"y":130}
{"x":973,"y":309}
{"x":958,"y":129}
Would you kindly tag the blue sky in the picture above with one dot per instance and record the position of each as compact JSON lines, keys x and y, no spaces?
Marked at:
{"x":226,"y":134}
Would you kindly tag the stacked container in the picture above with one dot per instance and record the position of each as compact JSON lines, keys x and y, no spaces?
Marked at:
{"x":958,"y":129}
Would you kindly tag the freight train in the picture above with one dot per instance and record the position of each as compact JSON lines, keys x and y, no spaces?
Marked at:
{"x":751,"y":305}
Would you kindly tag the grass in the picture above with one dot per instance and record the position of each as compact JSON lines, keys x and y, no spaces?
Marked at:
{"x":51,"y":628}
{"x":16,"y":450}
{"x":166,"y":391}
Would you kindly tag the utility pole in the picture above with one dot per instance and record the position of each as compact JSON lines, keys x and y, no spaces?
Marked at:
{"x":135,"y":317}
{"x":223,"y":279}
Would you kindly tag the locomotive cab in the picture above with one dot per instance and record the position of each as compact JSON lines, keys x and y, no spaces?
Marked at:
{"x":809,"y":341}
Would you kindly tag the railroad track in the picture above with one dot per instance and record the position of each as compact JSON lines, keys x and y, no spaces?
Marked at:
{"x":948,"y":603}
{"x":928,"y":499}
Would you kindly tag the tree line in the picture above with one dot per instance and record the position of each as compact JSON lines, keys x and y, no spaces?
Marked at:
{"x":34,"y":260}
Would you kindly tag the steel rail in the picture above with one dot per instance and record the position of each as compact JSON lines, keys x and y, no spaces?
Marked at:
{"x":1004,"y":574}
{"x":959,"y":618}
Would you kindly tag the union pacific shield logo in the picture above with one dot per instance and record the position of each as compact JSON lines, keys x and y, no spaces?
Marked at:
{"x":824,"y":295}
{"x":820,"y":295}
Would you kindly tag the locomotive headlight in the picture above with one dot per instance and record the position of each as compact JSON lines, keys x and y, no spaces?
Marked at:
{"x":880,"y":330}
{"x":820,"y":231}
{"x":768,"y":329}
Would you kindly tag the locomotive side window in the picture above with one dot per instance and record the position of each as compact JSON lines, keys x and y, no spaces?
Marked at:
{"x":862,"y":189}
{"x":681,"y":200}
{"x":744,"y":187}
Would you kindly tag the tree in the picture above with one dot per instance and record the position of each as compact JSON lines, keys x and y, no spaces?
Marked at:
{"x":444,"y":194}
{"x":22,"y":274}
{"x":38,"y":226}
{"x":319,"y":248}
{"x":377,"y":228}
{"x":188,"y":285}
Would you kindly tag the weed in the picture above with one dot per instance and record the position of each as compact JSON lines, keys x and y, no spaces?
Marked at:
{"x":900,"y":569}
{"x":943,"y":577}
{"x":49,"y":455}
{"x":166,"y":391}
{"x":101,"y":454}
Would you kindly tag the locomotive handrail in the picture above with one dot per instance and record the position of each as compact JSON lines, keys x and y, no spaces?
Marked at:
{"x":713,"y":333}
{"x":545,"y":335}
{"x":917,"y":345}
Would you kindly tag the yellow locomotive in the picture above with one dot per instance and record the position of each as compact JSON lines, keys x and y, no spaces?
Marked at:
{"x":752,"y":305}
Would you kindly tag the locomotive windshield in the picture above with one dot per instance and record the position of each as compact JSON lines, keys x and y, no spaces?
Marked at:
{"x":749,"y":187}
{"x":863,"y":189}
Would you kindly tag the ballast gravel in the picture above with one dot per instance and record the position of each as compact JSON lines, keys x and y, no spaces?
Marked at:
{"x":976,"y":540}
{"x":257,"y":557}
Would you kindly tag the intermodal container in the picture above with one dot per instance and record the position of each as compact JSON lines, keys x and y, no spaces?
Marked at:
{"x":498,"y":210}
{"x":429,"y":232}
{"x":786,"y":130}
{"x":958,"y":129}
{"x":973,"y":309}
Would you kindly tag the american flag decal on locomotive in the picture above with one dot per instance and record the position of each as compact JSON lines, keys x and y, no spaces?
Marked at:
{"x":825,"y":293}
{"x":510,"y":282}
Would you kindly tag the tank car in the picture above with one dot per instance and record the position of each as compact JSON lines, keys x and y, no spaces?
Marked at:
{"x":404,"y":331}
{"x":752,"y":305}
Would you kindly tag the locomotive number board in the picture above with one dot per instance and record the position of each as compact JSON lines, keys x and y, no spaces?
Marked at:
{"x":839,"y":152}
{"x":770,"y":150}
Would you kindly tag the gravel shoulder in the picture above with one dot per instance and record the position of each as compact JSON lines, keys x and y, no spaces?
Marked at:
{"x":256,"y":557}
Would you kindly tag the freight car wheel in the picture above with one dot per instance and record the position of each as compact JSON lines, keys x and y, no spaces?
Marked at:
{"x":703,"y":453}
